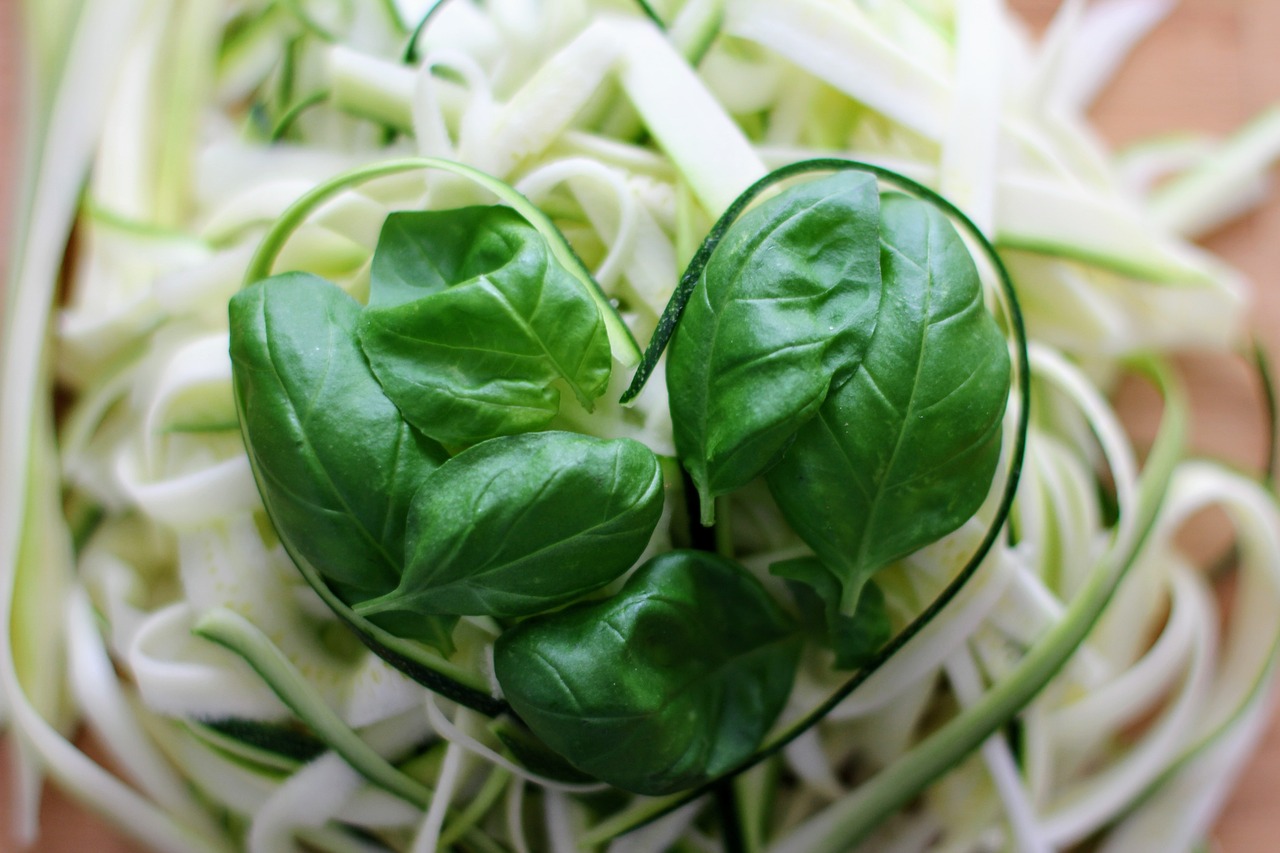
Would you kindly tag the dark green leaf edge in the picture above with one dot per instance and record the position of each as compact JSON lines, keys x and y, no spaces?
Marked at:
{"x":773,"y":639}
{"x":1022,"y":384}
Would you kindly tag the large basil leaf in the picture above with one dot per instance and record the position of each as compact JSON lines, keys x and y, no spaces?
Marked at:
{"x":336,"y":464}
{"x":520,"y":524}
{"x":672,"y":681}
{"x":905,"y":451}
{"x":784,"y":309}
{"x":472,"y":323}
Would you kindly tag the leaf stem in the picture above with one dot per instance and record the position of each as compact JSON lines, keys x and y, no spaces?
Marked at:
{"x":702,"y":537}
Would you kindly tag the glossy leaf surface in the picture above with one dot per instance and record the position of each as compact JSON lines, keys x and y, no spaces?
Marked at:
{"x":335,"y":463}
{"x":472,"y":323}
{"x":520,"y":524}
{"x":672,"y":681}
{"x":784,"y":309}
{"x":905,"y":451}
{"x":427,"y":251}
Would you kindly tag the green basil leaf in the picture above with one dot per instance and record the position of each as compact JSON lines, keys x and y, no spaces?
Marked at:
{"x":472,"y":324}
{"x":336,"y":464}
{"x":905,"y":451}
{"x":425,"y":252}
{"x":674,"y":680}
{"x":520,"y":524}
{"x":783,"y":311}
{"x":855,"y":639}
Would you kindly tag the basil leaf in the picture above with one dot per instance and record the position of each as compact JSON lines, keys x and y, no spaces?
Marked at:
{"x":783,"y":311}
{"x":473,"y":322}
{"x":674,"y":680}
{"x":855,"y":639}
{"x":520,"y":524}
{"x":425,"y":252}
{"x":335,"y":463}
{"x":905,"y":451}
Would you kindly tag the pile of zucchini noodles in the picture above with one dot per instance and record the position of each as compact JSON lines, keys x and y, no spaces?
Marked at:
{"x":1081,"y":688}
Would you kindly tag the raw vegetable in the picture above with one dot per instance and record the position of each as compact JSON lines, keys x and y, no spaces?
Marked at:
{"x":908,"y":446}
{"x":614,"y":687}
{"x":568,"y":514}
{"x":782,"y":313}
{"x":330,"y":583}
{"x":481,"y":300}
{"x":323,"y":427}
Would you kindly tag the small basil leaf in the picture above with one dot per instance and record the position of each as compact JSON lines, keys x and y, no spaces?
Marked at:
{"x":336,"y":464}
{"x":496,"y":324}
{"x":783,"y":310}
{"x":905,"y":451}
{"x":674,"y":680}
{"x":855,"y":639}
{"x":520,"y":524}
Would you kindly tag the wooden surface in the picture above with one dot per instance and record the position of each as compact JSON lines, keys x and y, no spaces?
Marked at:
{"x":1213,"y":64}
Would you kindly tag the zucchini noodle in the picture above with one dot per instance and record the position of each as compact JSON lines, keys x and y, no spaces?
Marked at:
{"x":1061,"y":677}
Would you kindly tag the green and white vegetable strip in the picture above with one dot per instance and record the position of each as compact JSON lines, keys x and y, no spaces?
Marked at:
{"x":1078,"y":688}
